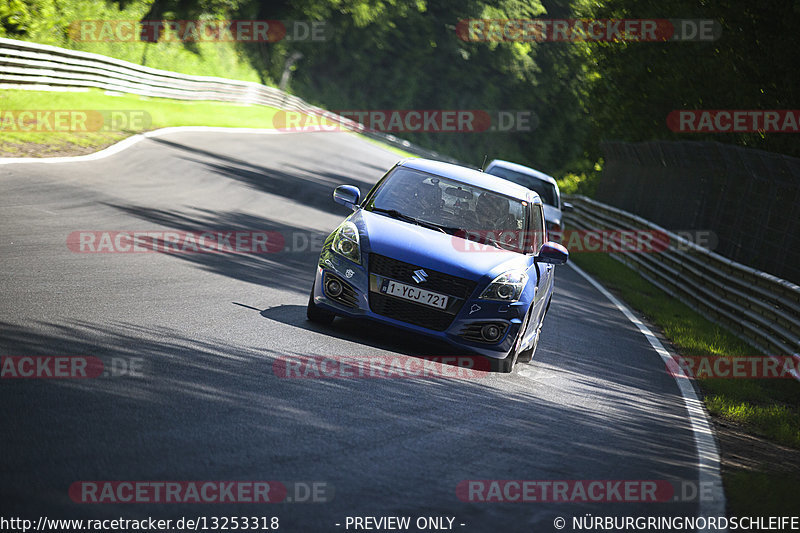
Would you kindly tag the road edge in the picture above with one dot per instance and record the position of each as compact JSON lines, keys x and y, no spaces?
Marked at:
{"x":708,"y":455}
{"x":134,"y":139}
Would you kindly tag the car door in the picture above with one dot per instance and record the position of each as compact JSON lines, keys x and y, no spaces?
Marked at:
{"x":541,"y":272}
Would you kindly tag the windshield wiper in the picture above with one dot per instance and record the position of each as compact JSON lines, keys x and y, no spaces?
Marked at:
{"x":497,"y":244}
{"x":504,"y":246}
{"x":394,"y":213}
{"x":444,"y":229}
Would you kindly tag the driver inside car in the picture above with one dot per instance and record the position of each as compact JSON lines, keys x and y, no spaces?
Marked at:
{"x":493,"y":213}
{"x":429,"y":199}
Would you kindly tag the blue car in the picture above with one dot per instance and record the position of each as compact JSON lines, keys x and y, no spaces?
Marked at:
{"x":445,"y":251}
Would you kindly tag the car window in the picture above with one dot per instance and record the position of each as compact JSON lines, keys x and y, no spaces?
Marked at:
{"x":448,"y":203}
{"x":544,"y":189}
{"x":536,"y":232}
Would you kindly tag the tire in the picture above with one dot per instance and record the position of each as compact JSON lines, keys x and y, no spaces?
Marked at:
{"x":317,"y":315}
{"x":526,"y":356}
{"x":503,"y":366}
{"x":506,"y":365}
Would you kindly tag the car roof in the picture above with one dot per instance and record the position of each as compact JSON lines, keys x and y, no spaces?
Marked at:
{"x":470,"y":177}
{"x":524,"y":170}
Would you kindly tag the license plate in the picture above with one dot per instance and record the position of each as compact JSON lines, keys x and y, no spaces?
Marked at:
{"x":414,"y":294}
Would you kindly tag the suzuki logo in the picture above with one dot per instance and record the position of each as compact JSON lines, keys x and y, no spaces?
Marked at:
{"x":420,"y":276}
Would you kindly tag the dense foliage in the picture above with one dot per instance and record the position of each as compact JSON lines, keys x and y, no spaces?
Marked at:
{"x":395,"y":54}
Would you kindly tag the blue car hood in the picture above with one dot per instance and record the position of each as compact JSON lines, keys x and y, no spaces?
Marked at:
{"x":433,"y":249}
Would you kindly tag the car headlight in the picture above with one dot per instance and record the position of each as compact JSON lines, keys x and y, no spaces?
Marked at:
{"x":346,"y":242}
{"x":506,"y":287}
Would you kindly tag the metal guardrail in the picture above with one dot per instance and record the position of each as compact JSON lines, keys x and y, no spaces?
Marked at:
{"x":43,"y":67}
{"x":760,"y":308}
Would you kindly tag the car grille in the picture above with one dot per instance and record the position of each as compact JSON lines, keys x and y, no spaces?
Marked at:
{"x":437,"y":281}
{"x":410,"y":312}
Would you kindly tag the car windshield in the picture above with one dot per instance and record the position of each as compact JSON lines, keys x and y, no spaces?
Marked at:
{"x":544,"y":189}
{"x":450,"y":206}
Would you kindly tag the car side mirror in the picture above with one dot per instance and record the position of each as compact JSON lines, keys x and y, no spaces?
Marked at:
{"x":553,"y":253}
{"x":347,"y":195}
{"x":566,"y":206}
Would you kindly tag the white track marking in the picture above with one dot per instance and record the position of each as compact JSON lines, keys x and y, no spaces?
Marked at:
{"x":130,"y":141}
{"x":708,"y":459}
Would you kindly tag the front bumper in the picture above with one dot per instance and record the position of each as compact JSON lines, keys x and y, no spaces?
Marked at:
{"x":468,"y":314}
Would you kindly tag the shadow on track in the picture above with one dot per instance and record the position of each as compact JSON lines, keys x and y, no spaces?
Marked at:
{"x":291,"y":268}
{"x":311,"y":187}
{"x":206,"y":409}
{"x":368,"y":333}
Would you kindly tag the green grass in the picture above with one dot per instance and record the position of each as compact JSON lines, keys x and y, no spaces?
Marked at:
{"x":49,"y":22}
{"x":162,"y":112}
{"x":779,"y":422}
{"x":766,"y":407}
{"x":760,"y":494}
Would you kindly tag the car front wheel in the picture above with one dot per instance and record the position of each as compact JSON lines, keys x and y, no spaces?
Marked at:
{"x":507,"y":365}
{"x":315,"y":314}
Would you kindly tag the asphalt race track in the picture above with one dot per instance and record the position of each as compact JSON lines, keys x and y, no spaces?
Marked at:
{"x":202,"y":331}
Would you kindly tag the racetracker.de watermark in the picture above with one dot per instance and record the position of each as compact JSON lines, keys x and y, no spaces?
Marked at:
{"x":734,"y":121}
{"x":73,"y":120}
{"x":588,"y":30}
{"x":247,"y":31}
{"x":564,"y":491}
{"x":304,"y":241}
{"x":408,"y":120}
{"x":380,"y":367}
{"x":208,"y":492}
{"x":586,"y":490}
{"x":69,"y":367}
{"x":50,"y":367}
{"x":599,"y":241}
{"x":180,"y":242}
{"x":737,"y":367}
